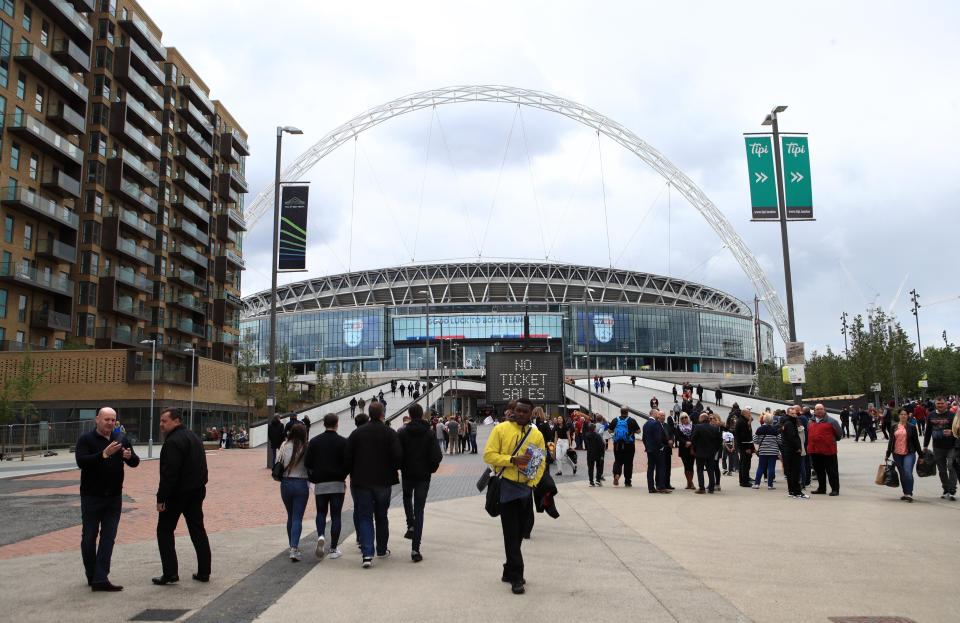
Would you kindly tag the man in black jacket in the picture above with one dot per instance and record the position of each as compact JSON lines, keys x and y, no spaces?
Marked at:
{"x":326,"y":468}
{"x":421,"y":458}
{"x":743,"y":436}
{"x":706,"y":444}
{"x":793,"y":441}
{"x":101,"y":454}
{"x":183,"y":485}
{"x":275,"y":437}
{"x":372,"y":457}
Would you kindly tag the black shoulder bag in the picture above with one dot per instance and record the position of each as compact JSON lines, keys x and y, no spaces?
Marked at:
{"x":492,"y":504}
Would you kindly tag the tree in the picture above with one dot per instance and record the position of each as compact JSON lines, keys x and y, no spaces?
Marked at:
{"x":354,"y":381}
{"x":337,"y":384}
{"x":322,"y":388}
{"x":25,"y":386}
{"x":6,"y":409}
{"x":247,"y":371}
{"x":881,"y":352}
{"x":284,"y":379}
{"x":826,"y":374}
{"x":770,"y":382}
{"x":943,"y":370}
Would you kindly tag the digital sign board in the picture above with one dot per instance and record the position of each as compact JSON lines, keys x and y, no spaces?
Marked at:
{"x":535,"y":376}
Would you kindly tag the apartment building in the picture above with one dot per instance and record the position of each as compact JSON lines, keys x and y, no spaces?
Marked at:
{"x":121,"y":191}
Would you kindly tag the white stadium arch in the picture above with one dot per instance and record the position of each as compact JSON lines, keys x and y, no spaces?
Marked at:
{"x":263,"y":203}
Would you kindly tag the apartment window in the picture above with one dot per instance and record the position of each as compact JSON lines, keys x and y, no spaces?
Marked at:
{"x":27,"y":20}
{"x":43,"y":342}
{"x":89,"y":263}
{"x":91,"y":233}
{"x":21,"y":336}
{"x":93,"y":202}
{"x":6,"y":43}
{"x":103,"y":57}
{"x":95,"y":172}
{"x":7,"y":264}
{"x":85,"y":324}
{"x":21,"y":85}
{"x":101,"y":86}
{"x":38,"y":99}
{"x":3,"y":303}
{"x":88,"y":294}
{"x":14,"y":156}
{"x":27,"y":236}
{"x":8,"y":229}
{"x":44,"y":33}
{"x":22,"y":309}
{"x":98,"y":144}
{"x":7,"y":7}
{"x":34,"y":166}
{"x":58,"y":343}
{"x":105,"y":30}
{"x":99,"y":114}
{"x":109,"y":6}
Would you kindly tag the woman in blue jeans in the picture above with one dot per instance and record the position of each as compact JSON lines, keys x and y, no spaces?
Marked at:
{"x":767,"y":441}
{"x":903,"y":445}
{"x":294,"y":489}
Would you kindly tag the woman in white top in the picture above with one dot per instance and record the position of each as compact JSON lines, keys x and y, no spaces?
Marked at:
{"x":294,"y":487}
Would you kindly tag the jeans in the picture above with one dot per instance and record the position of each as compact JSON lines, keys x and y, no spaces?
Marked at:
{"x":271,"y":456}
{"x":827,"y":471}
{"x":295,"y":492}
{"x":767,"y":465}
{"x":190,"y":505}
{"x":473,"y":442}
{"x":948,"y":474}
{"x":371,"y":504}
{"x":335,"y":502}
{"x":710,"y":465}
{"x":905,"y":463}
{"x":99,"y":515}
{"x":623,"y":453}
{"x":731,"y":462}
{"x":656,"y":471}
{"x":414,"y":501}
{"x":515,"y":521}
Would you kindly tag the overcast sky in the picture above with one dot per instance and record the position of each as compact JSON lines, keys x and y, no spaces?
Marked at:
{"x":874,"y":83}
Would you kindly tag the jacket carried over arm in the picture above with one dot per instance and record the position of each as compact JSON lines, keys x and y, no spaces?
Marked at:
{"x":503,"y":439}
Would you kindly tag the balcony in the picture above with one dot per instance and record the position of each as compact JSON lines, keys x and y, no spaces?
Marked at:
{"x":187,"y":326}
{"x":58,"y":182}
{"x":141,"y":117}
{"x":186,"y":301}
{"x":236,"y":218}
{"x":127,"y":277}
{"x":125,"y":164}
{"x":192,"y":183}
{"x":65,"y":16}
{"x":124,"y":305}
{"x":66,"y":118}
{"x":50,"y":320}
{"x":56,"y":250}
{"x":134,"y":139}
{"x":234,"y":258}
{"x":193,"y":138}
{"x":238,"y":141}
{"x":189,"y":229}
{"x":133,"y":53}
{"x":54,"y":74}
{"x":14,"y":272}
{"x":130,"y":249}
{"x":38,"y":133}
{"x":231,"y":178}
{"x":228,"y":154}
{"x":107,"y":336}
{"x":196,"y":95}
{"x":228,"y":297}
{"x":222,"y":272}
{"x":71,"y":55}
{"x":192,"y":255}
{"x":188,"y":278}
{"x":37,"y":205}
{"x":133,"y":221}
{"x":193,"y":162}
{"x":140,"y":32}
{"x":129,"y":190}
{"x":84,"y":6}
{"x":193,"y":115}
{"x":137,"y":84}
{"x":183,"y":201}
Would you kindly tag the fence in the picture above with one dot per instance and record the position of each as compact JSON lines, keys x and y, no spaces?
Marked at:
{"x":42,"y":436}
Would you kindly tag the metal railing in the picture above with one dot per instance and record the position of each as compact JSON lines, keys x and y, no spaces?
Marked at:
{"x":41,"y":436}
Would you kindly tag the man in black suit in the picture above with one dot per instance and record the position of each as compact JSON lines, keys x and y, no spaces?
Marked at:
{"x":707,"y":443}
{"x":655,"y":443}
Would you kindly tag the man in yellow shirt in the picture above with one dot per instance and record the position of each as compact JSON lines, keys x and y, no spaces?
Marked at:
{"x":522,"y":469}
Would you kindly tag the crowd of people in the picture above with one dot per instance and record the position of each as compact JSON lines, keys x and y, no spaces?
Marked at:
{"x":232,"y":437}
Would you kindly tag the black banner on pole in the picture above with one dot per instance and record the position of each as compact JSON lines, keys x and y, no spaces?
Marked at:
{"x":293,"y":228}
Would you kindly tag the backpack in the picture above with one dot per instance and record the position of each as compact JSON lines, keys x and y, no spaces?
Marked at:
{"x":622,"y":431}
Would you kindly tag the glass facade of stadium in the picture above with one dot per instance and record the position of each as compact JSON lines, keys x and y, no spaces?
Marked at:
{"x":619,"y":336}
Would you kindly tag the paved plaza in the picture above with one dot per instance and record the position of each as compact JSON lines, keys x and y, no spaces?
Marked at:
{"x":614,"y":553}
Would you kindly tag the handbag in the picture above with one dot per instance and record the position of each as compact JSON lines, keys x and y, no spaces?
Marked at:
{"x":492,"y":503}
{"x":891,"y":479}
{"x":881,"y":474}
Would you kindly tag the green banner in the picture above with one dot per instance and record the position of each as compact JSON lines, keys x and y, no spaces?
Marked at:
{"x":795,"y":153}
{"x":763,"y":180}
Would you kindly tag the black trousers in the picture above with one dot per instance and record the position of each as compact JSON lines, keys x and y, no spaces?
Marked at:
{"x":710,"y":465}
{"x":414,"y":501}
{"x":656,"y":471}
{"x":826,"y":465}
{"x":516,"y":521}
{"x":746,"y":477}
{"x":190,"y":505}
{"x":598,"y":463}
{"x":100,"y":516}
{"x":791,"y":467}
{"x":623,"y":460}
{"x":667,"y":458}
{"x":845,"y":426}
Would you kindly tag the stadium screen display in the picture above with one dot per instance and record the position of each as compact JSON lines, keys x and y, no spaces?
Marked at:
{"x":535,"y":376}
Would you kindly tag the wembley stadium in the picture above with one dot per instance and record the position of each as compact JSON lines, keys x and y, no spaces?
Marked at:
{"x":449,"y":315}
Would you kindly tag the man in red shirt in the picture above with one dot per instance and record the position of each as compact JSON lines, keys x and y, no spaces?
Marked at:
{"x":823,"y":433}
{"x":920,"y":415}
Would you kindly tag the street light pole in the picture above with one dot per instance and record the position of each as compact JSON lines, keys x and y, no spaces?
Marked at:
{"x":153,"y":371}
{"x":427,"y":347}
{"x":916,"y":307}
{"x":586,"y":339}
{"x":193,"y":353}
{"x":271,"y":386}
{"x":771,"y":120}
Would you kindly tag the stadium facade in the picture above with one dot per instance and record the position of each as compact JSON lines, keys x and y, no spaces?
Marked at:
{"x":377,"y":320}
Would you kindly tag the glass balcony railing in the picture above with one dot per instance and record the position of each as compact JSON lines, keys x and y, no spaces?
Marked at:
{"x":192,"y":206}
{"x":67,"y":118}
{"x":134,"y":192}
{"x":140,"y":167}
{"x":131,"y":248}
{"x":234,"y":257}
{"x":196,"y":94}
{"x":143,"y":114}
{"x":193,"y":231}
{"x":186,"y":300}
{"x":41,"y":205}
{"x":190,"y":277}
{"x":187,"y":326}
{"x":127,"y":275}
{"x":133,"y":219}
{"x":193,"y":183}
{"x":49,"y":319}
{"x":41,"y":61}
{"x":72,"y":55}
{"x":141,"y":32}
{"x":192,"y":113}
{"x":39,"y":131}
{"x":32,"y":276}
{"x":145,"y":88}
{"x":69,"y":18}
{"x":56,"y":249}
{"x":195,"y":161}
{"x":195,"y":138}
{"x":191,"y":254}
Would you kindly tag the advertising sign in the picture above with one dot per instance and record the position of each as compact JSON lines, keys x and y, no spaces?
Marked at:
{"x":535,"y":376}
{"x":763,"y":179}
{"x":293,"y":228}
{"x":796,"y":177}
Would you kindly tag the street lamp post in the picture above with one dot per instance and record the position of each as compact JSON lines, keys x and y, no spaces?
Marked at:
{"x":271,"y":386}
{"x":586,"y":339}
{"x":153,"y":371}
{"x":427,"y":347}
{"x":193,"y":353}
{"x":916,"y":309}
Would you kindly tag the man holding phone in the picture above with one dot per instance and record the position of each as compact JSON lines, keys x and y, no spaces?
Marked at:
{"x":101,"y":455}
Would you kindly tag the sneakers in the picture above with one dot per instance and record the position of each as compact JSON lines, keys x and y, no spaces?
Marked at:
{"x":600,"y":483}
{"x":321,"y":546}
{"x":756,"y":486}
{"x":517,"y":588}
{"x":415,"y":556}
{"x":574,"y":470}
{"x":952,"y":497}
{"x":908,"y":498}
{"x":385,"y":554}
{"x":802,"y":496}
{"x":367,"y":562}
{"x":295,"y":554}
{"x":335,"y":553}
{"x":591,"y":484}
{"x":944,"y":496}
{"x":408,"y":534}
{"x":770,"y":487}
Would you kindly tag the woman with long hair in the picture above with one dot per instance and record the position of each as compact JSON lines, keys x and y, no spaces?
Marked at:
{"x":294,"y":490}
{"x":904,"y":445}
{"x":685,"y":441}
